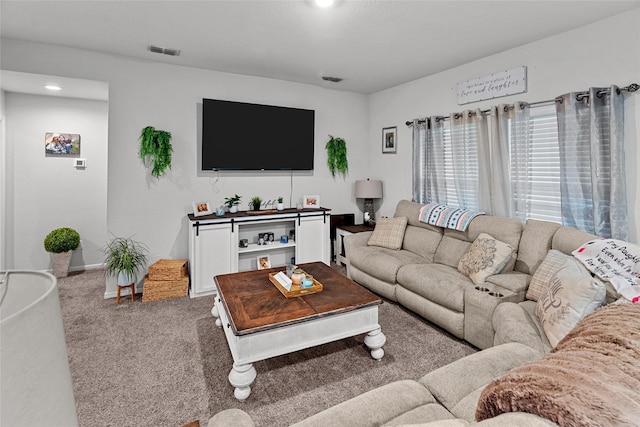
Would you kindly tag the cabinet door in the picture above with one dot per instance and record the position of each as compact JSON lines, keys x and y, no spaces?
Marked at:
{"x":212,"y":252}
{"x":312,"y":240}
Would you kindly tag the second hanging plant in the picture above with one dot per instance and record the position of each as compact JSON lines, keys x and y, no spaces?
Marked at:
{"x":337,"y":156}
{"x":155,"y":146}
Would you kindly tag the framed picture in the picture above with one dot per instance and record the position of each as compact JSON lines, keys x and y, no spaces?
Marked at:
{"x":202,"y":208}
{"x":389,"y":140}
{"x":311,"y":201}
{"x":263,"y":262}
{"x":62,"y":144}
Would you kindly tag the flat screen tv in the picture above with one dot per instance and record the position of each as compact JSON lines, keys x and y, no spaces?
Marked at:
{"x":244,"y":136}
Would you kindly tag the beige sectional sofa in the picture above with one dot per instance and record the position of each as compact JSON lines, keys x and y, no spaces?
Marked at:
{"x":423,"y":276}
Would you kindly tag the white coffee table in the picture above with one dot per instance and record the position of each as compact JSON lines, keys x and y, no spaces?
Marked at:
{"x":259,"y":322}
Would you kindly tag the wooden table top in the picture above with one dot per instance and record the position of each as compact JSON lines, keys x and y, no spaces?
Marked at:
{"x":254,"y":304}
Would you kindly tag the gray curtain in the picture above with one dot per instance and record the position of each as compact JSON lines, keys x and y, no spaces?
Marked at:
{"x":429,"y":185}
{"x":419,"y":161}
{"x":592,"y":173}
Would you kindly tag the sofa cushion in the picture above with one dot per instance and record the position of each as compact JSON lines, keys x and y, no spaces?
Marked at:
{"x":421,"y":414}
{"x":572,"y":295}
{"x":568,"y":239}
{"x":421,"y":241}
{"x":485,"y":257}
{"x":541,"y":279}
{"x":388,"y":233}
{"x":382,"y":263}
{"x":450,"y":250}
{"x":534,"y":244}
{"x":438,"y":283}
{"x":375,"y":407}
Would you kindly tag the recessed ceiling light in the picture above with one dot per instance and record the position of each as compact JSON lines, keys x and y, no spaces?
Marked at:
{"x":324,"y":3}
{"x":53,"y":87}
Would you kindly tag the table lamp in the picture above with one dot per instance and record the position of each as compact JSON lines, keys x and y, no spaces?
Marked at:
{"x":369,"y":190}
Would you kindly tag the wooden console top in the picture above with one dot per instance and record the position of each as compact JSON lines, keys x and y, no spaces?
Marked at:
{"x":254,"y":304}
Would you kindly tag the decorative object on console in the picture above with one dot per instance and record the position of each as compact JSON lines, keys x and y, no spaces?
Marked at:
{"x":280,"y":205}
{"x":232,"y":203}
{"x":264,"y":262}
{"x":255,"y":203}
{"x":389,"y":140}
{"x":60,"y":243}
{"x":155,"y":146}
{"x":369,"y":190}
{"x":244,"y":243}
{"x":202,"y":208}
{"x":337,"y":156}
{"x":311,"y":201}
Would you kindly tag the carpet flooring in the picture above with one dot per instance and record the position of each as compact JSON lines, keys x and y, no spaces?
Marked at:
{"x":165,"y":363}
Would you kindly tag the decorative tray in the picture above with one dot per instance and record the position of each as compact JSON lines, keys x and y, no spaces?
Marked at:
{"x":296,"y":290}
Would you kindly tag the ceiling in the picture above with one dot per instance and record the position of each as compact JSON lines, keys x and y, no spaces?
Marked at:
{"x":372,"y":45}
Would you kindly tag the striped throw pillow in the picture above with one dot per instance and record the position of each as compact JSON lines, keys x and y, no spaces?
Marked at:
{"x":389,"y":233}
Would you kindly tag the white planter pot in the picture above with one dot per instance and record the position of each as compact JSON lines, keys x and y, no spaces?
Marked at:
{"x":233,"y":209}
{"x":125,"y":280}
{"x":280,"y":206}
{"x":60,"y":263}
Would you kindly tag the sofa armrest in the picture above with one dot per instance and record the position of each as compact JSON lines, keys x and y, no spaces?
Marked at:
{"x":450,"y":384}
{"x":513,"y":281}
{"x":517,"y":323}
{"x":356,"y":240}
{"x":231,"y":418}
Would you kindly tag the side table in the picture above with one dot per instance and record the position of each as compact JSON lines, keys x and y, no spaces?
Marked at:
{"x":346,"y":230}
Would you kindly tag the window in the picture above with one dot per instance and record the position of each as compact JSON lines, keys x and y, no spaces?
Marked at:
{"x":544,"y":167}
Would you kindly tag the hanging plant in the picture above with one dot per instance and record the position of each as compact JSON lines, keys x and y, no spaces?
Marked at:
{"x":337,"y":156}
{"x":155,"y":146}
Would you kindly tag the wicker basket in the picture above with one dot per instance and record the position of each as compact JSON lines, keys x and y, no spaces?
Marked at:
{"x":168,"y":269}
{"x":167,"y":278}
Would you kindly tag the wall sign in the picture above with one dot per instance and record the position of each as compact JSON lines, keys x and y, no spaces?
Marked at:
{"x":495,"y":85}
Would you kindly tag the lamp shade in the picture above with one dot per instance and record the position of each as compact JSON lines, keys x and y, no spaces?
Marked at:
{"x":368,"y":189}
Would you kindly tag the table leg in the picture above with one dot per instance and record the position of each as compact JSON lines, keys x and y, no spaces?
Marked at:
{"x":215,"y":313}
{"x":375,"y":340}
{"x":241,"y":377}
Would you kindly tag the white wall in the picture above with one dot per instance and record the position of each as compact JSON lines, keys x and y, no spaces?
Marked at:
{"x":48,"y":192}
{"x":167,"y":97}
{"x":605,"y":53}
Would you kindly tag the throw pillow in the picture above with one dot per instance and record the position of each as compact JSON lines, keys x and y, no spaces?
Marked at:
{"x":572,"y":294}
{"x":541,"y":279}
{"x":389,"y":232}
{"x":485,"y":257}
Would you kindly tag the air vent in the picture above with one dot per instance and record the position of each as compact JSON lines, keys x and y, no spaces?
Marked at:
{"x":163,"y":50}
{"x":332,"y":79}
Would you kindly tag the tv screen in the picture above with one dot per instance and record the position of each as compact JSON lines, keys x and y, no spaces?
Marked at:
{"x":243,"y":136}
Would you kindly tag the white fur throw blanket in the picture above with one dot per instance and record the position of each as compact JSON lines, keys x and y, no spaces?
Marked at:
{"x":591,"y":378}
{"x":615,"y":261}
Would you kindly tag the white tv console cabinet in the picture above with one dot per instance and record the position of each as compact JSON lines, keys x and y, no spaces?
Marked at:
{"x":214,"y":243}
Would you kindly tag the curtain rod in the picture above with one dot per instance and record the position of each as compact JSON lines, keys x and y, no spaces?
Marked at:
{"x":579,"y":97}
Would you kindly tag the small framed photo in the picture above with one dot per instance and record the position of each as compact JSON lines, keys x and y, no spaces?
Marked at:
{"x":263,"y":262}
{"x":202,"y":208}
{"x":389,"y":140}
{"x":62,"y":144}
{"x":311,"y":201}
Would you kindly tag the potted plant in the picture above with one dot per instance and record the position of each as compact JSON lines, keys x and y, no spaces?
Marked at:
{"x":124,"y":259}
{"x":155,"y":146}
{"x":280,"y":205}
{"x":232,"y":203}
{"x":255,"y":203}
{"x":60,"y":243}
{"x":337,"y":156}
